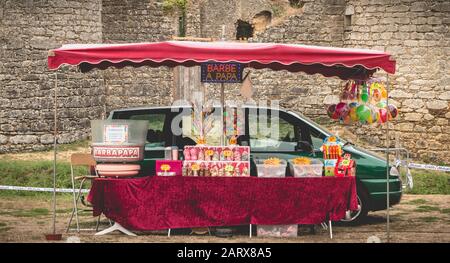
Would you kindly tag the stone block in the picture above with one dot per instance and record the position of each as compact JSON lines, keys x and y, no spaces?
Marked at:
{"x":413,"y":103}
{"x":3,"y":139}
{"x":398,"y":93}
{"x":419,"y":7}
{"x":434,"y":20}
{"x":23,"y":139}
{"x":331,"y":99}
{"x":405,"y":126}
{"x":437,"y":104}
{"x":442,"y":121}
{"x":444,"y":95}
{"x":46,"y":139}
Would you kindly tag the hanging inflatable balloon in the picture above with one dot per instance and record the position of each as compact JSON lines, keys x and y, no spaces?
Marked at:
{"x":383,"y":92}
{"x":352,"y":114}
{"x":364,"y":102}
{"x":393,"y":111}
{"x":383,"y":115}
{"x":376,"y":95}
{"x":353,"y":105}
{"x":364,"y":93}
{"x":330,"y":111}
{"x":373,"y":115}
{"x":363,"y":113}
{"x":341,"y":109}
{"x":346,"y":119}
{"x":381,"y":104}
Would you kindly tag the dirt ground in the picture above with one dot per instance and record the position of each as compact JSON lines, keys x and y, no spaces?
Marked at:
{"x":419,"y":218}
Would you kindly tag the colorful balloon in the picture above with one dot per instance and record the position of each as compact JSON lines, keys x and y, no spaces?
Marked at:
{"x":381,"y":104}
{"x":353,"y":105}
{"x":373,"y":115}
{"x":364,"y":93}
{"x":363,"y":113}
{"x":376,"y":95}
{"x":341,"y":109}
{"x":352,"y":114}
{"x":393,"y":110}
{"x":383,"y":92}
{"x":383,"y":115}
{"x":364,"y":96}
{"x":346,"y":120}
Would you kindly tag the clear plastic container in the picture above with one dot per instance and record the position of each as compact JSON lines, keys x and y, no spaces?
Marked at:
{"x":135,"y":132}
{"x":270,"y":170}
{"x":311,"y":170}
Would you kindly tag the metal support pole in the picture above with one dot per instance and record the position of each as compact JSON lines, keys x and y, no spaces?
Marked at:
{"x":222,"y":101}
{"x":250,"y":231}
{"x":54,"y":156}
{"x":331,"y":229}
{"x":387,"y":160}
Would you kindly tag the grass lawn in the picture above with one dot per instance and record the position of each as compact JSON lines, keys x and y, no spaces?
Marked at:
{"x":430,"y":182}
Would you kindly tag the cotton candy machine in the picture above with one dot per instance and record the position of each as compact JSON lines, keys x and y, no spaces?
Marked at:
{"x":116,"y":144}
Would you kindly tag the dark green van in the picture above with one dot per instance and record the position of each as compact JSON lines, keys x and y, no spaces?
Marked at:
{"x":297,"y":136}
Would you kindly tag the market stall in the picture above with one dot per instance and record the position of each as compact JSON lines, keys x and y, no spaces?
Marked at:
{"x":194,"y":198}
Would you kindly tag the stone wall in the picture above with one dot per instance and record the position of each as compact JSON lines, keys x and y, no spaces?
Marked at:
{"x":137,"y":21}
{"x":214,"y":14}
{"x":28,"y":29}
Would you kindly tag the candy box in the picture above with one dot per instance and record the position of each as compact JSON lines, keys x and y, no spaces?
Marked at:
{"x":345,"y":166}
{"x":271,"y":170}
{"x":277,"y":230}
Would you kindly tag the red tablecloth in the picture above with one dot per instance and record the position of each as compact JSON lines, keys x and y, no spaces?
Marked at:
{"x":157,"y":202}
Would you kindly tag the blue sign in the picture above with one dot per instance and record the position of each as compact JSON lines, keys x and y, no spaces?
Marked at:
{"x":221,"y":72}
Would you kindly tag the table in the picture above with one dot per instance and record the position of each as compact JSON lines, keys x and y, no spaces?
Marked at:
{"x":165,"y":202}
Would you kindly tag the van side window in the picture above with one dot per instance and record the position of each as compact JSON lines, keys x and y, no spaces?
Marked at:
{"x":155,"y":135}
{"x":316,"y":138}
{"x":271,"y":133}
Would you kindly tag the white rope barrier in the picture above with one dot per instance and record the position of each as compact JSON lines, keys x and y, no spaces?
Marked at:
{"x":39,"y":189}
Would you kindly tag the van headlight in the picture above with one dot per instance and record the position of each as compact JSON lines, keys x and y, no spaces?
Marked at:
{"x":393,"y":171}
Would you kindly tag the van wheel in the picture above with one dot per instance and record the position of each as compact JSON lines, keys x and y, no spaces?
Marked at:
{"x":360,"y":215}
